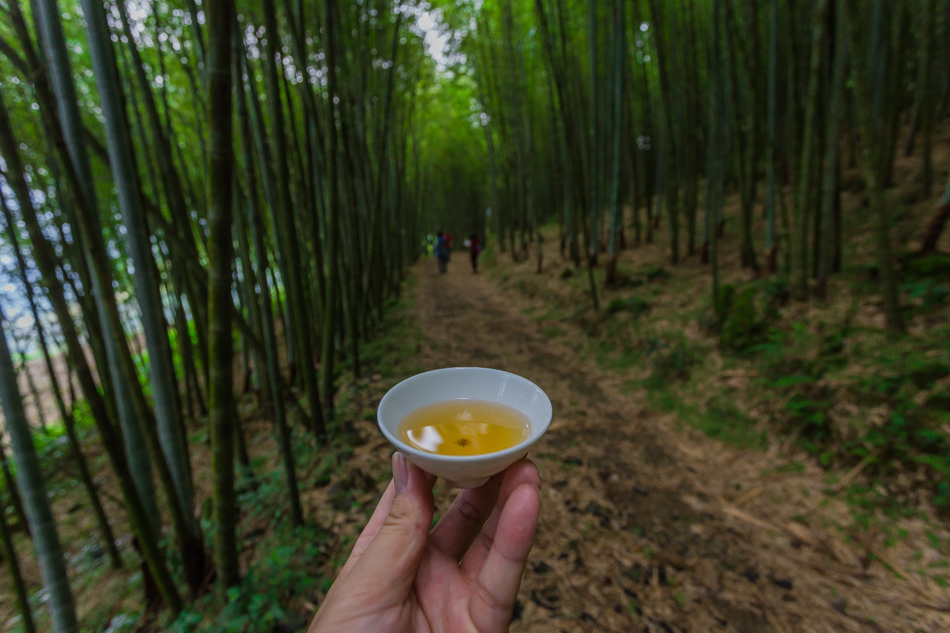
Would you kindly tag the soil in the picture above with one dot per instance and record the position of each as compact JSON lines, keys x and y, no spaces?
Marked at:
{"x":649,"y":526}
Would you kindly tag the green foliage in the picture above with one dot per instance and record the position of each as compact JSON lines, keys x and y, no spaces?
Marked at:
{"x":633,"y":304}
{"x":787,"y":357}
{"x":725,"y":421}
{"x":927,"y":373}
{"x":281,"y":570}
{"x":742,"y":328}
{"x":925,"y":294}
{"x":626,"y":281}
{"x":775,"y":294}
{"x":809,"y":415}
{"x":655,"y":273}
{"x":791,"y":467}
{"x":896,"y":381}
{"x":610,"y":358}
{"x":934,"y":266}
{"x":383,"y":353}
{"x":909,"y":437}
{"x":795,"y":363}
{"x":670,"y":360}
{"x":721,"y":419}
{"x":724,"y":301}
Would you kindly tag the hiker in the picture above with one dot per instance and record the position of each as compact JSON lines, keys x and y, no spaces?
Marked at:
{"x":474,"y":248}
{"x":462,"y":575}
{"x":442,"y":252}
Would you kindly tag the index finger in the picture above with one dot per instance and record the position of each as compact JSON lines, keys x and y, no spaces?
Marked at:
{"x":372,"y":528}
{"x":375,"y":523}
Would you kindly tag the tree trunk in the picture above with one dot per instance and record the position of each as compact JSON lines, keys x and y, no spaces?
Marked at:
{"x":296,"y":296}
{"x":84,"y":475}
{"x":112,"y":441}
{"x":223,"y":413}
{"x":16,"y":578}
{"x":62,"y":609}
{"x":66,"y":135}
{"x":716,"y":159}
{"x":829,"y":197}
{"x":770,"y":139}
{"x":926,"y":95}
{"x":173,"y":447}
{"x":928,"y":244}
{"x":875,"y":168}
{"x":808,"y":162}
{"x":332,"y":292}
{"x":12,"y":488}
{"x":256,"y":225}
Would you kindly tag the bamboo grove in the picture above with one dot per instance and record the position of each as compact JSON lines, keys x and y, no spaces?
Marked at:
{"x":203,"y":199}
{"x":664,"y":107}
{"x":177,"y":178}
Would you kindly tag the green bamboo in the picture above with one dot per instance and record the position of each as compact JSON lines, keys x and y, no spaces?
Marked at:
{"x":297,"y":293}
{"x":808,"y":160}
{"x":84,"y":474}
{"x":265,"y":305}
{"x":829,"y":197}
{"x":332,"y":292}
{"x":46,"y":542}
{"x":10,"y":481}
{"x":770,"y":137}
{"x":16,"y":577}
{"x":45,"y":260}
{"x":926,"y":94}
{"x":220,"y":253}
{"x":162,"y":372}
{"x":873,"y":166}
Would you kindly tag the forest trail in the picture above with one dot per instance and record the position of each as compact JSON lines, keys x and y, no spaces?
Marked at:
{"x":649,"y":526}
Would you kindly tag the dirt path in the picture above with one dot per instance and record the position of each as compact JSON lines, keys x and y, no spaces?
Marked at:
{"x":648,"y":527}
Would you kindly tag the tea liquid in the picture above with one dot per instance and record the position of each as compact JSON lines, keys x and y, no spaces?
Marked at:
{"x":464,"y":427}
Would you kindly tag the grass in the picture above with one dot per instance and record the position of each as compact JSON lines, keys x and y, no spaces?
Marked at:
{"x":791,"y":467}
{"x":720,"y":420}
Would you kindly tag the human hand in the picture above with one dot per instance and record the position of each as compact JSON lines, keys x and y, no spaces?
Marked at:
{"x":463,"y":575}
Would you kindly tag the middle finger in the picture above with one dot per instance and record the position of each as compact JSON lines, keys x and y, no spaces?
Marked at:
{"x":459,"y":526}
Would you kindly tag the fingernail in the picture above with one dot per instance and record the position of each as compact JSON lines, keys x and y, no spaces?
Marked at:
{"x":400,"y":472}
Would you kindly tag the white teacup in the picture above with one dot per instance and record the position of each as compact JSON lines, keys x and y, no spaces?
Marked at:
{"x":464,"y":383}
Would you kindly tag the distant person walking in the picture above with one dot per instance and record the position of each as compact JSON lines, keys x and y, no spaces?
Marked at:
{"x":474,"y":248}
{"x":442,"y":252}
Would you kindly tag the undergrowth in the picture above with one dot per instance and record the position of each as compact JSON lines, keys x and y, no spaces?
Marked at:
{"x":283,"y":562}
{"x":844,"y":393}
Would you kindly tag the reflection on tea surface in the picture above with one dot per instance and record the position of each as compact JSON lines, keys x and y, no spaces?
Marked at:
{"x":464,"y":427}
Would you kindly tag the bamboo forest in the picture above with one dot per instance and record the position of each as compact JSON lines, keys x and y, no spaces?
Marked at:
{"x":712,"y":232}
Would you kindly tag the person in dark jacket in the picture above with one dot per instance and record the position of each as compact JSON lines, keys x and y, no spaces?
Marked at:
{"x":442,"y":252}
{"x":474,"y":249}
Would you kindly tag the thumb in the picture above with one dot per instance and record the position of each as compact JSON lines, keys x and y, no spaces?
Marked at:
{"x":395,"y":553}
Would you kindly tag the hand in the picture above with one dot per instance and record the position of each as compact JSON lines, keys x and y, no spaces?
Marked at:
{"x":463,"y":576}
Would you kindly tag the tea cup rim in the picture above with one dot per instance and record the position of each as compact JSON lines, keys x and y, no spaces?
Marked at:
{"x":536,"y":429}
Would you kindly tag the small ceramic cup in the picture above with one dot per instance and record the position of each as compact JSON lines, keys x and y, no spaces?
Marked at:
{"x":464,"y":383}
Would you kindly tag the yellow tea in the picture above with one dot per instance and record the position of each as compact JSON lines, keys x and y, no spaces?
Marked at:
{"x":464,"y":427}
